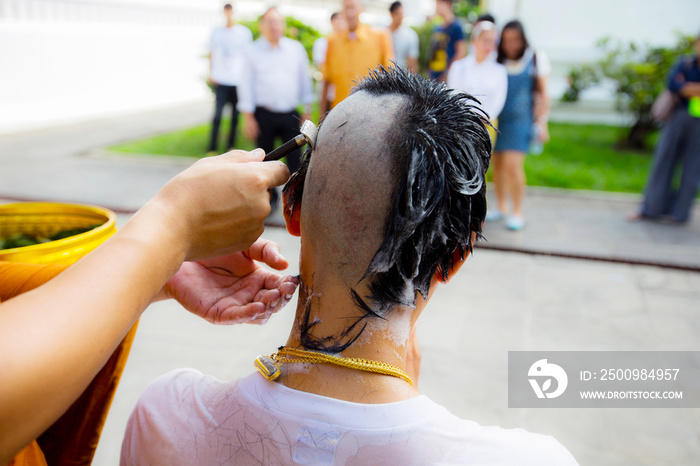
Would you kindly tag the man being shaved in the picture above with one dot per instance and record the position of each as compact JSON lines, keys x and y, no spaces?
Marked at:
{"x":388,"y":206}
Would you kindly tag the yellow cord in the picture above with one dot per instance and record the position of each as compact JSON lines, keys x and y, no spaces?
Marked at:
{"x":270,"y":366}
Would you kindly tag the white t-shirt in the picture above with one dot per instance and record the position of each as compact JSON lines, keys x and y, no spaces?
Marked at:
{"x":187,"y":418}
{"x":226,"y":46}
{"x":405,"y":45}
{"x":486,"y":81}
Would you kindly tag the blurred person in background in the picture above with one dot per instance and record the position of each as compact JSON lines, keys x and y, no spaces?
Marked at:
{"x":353,"y":53}
{"x":320,"y":47}
{"x":447,"y":43}
{"x":226,"y":47}
{"x":485,"y":17}
{"x":522,"y":121}
{"x":275,"y":80}
{"x":404,"y":38}
{"x":679,"y":144}
{"x":480,"y":75}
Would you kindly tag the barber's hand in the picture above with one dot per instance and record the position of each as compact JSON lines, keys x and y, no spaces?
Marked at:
{"x":235,"y":289}
{"x":218,"y":205}
{"x":251,"y":129}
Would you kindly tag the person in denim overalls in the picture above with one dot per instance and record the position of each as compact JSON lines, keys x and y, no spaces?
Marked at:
{"x":525,"y":113}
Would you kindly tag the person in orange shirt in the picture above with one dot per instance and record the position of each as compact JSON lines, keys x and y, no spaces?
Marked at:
{"x":353,"y":53}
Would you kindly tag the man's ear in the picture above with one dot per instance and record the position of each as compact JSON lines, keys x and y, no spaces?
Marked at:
{"x":292,"y":217}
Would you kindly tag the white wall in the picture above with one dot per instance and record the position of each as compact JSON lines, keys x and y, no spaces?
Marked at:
{"x":64,"y":61}
{"x":70,"y":60}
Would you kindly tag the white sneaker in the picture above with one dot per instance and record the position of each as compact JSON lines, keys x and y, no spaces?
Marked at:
{"x":494,"y":215}
{"x":515,"y":222}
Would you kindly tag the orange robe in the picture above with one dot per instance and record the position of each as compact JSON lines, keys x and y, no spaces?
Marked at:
{"x":73,"y":438}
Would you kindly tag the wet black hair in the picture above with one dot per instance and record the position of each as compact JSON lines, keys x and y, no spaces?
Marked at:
{"x":394,"y":6}
{"x":440,"y":150}
{"x":228,"y":6}
{"x":518,"y":26}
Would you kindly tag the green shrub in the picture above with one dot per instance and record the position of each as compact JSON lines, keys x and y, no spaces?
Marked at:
{"x":639,"y":74}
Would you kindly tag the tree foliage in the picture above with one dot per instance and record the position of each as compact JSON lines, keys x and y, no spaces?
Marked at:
{"x":639,"y":76}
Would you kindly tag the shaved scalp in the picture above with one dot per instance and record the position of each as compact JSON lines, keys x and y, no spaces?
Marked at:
{"x":350,"y":182}
{"x":391,"y":194}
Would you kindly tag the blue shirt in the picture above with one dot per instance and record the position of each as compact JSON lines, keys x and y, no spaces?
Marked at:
{"x":684,"y":71}
{"x":442,"y":48}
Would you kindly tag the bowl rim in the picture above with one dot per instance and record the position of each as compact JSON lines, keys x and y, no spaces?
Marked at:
{"x":105,"y":227}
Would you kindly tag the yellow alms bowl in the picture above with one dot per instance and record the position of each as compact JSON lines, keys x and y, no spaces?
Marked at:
{"x":48,"y":218}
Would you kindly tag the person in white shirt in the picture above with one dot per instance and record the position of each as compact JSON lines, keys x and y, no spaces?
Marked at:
{"x":226,"y":47}
{"x":404,"y":38}
{"x":479,"y":74}
{"x":274,"y":82}
{"x":387,"y":205}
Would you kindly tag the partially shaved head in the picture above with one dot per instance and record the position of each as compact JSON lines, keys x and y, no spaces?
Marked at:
{"x":350,"y":182}
{"x":392,"y":193}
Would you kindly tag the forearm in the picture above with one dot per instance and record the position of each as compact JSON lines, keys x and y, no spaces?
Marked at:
{"x":53,"y":340}
{"x":541,"y":111}
{"x":689,"y":90}
{"x":542,"y":103}
{"x":460,"y":51}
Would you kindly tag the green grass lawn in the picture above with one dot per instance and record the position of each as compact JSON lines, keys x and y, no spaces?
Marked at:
{"x":584,"y":157}
{"x":190,"y":142}
{"x":577,"y":156}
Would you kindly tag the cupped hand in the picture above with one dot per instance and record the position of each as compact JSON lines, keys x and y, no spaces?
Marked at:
{"x":218,"y":205}
{"x":236,"y":288}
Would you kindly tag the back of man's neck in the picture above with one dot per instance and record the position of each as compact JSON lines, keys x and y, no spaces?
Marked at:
{"x":382,"y":341}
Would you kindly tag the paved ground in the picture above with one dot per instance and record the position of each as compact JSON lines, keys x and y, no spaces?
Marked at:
{"x":500,"y":301}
